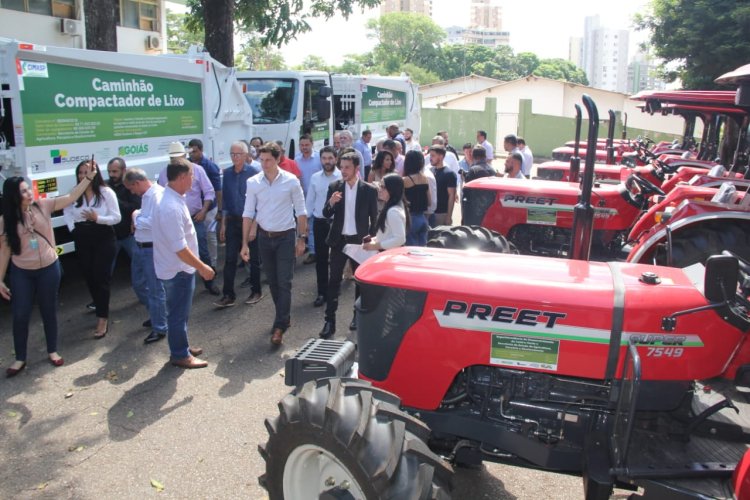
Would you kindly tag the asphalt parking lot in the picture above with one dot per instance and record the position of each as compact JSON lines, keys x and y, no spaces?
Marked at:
{"x":118,"y":421}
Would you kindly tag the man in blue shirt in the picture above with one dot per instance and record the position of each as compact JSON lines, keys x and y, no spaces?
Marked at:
{"x":235,"y":187}
{"x":195,"y":147}
{"x":309,"y":163}
{"x":363,"y":146}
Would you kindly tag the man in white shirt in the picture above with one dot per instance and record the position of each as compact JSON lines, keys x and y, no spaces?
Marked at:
{"x":315,"y":202}
{"x":176,"y":260}
{"x":487,"y":145}
{"x":272,"y":201}
{"x":411,"y":142}
{"x":528,"y":157}
{"x":513,"y":166}
{"x":147,"y":287}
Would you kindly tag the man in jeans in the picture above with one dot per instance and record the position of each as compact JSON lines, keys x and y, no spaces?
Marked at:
{"x":235,"y":186}
{"x":195,"y":146}
{"x":445,"y":182}
{"x":272,"y":201}
{"x":176,"y":260}
{"x":146,"y":285}
{"x":199,"y":199}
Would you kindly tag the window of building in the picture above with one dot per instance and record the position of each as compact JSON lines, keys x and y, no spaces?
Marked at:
{"x":57,"y":8}
{"x":140,"y":14}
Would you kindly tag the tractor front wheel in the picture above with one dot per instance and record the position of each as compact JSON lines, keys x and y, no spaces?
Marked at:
{"x":469,"y":238}
{"x":346,"y":439}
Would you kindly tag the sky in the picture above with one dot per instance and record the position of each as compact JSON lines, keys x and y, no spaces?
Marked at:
{"x":546,"y":35}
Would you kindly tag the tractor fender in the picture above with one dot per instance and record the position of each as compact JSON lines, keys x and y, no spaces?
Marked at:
{"x":643,"y":249}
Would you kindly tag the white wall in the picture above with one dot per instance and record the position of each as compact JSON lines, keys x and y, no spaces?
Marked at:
{"x":459,"y":86}
{"x":38,"y":29}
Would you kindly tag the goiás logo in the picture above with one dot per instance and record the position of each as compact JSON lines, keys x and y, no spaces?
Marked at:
{"x":61,"y":156}
{"x":132,"y":149}
{"x":34,"y":69}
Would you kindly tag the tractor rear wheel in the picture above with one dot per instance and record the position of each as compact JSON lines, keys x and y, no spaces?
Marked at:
{"x":697,"y":243}
{"x":470,"y":238}
{"x":343,"y":436}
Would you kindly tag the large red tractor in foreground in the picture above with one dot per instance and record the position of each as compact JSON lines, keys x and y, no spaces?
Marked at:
{"x":565,"y":365}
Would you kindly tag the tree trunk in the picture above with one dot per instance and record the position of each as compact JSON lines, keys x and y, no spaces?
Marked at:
{"x":219,"y":22}
{"x":101,"y":24}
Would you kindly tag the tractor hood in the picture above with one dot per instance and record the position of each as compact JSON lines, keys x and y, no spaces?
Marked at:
{"x":427,"y":306}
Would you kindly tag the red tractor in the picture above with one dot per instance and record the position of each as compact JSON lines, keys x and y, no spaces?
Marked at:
{"x":713,"y":108}
{"x":565,"y":365}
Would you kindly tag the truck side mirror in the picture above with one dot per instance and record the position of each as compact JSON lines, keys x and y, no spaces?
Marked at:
{"x":325,"y":91}
{"x":323,"y":108}
{"x":720,"y":282}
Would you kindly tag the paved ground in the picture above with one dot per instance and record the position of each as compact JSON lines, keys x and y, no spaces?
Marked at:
{"x":118,"y":421}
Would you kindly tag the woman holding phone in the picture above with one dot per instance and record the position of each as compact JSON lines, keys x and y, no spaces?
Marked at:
{"x":27,"y":248}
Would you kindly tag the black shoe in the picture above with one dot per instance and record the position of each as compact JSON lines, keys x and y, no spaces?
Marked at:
{"x":154,"y":337}
{"x":329,"y":329}
{"x":246,"y":283}
{"x":353,"y":324}
{"x":147,"y":323}
{"x":319,"y":300}
{"x":91,"y":306}
{"x":213,"y":289}
{"x":225,"y":301}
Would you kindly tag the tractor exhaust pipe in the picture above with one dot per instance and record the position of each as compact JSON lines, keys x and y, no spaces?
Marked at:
{"x":583,"y":213}
{"x":611,"y":139}
{"x":624,"y":125}
{"x":575,"y":160}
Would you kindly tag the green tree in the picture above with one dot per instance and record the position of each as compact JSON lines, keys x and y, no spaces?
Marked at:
{"x":560,"y":69}
{"x":526,"y":63}
{"x":403,"y":38}
{"x":101,"y":20}
{"x":698,"y":40}
{"x":419,"y":75}
{"x":179,"y":35}
{"x":461,"y":60}
{"x":255,"y":56}
{"x":313,"y":62}
{"x":275,"y":21}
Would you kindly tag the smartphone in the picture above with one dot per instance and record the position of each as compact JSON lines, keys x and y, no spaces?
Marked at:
{"x":367,"y":239}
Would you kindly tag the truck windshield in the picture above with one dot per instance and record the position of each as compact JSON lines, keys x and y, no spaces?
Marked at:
{"x":271,"y":99}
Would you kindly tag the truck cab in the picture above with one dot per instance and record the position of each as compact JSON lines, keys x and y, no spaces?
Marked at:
{"x":289,"y":104}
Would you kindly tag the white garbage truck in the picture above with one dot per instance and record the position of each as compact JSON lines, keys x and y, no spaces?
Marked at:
{"x":289,"y":104}
{"x":60,"y":106}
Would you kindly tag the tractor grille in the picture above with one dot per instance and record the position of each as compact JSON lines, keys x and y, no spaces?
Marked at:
{"x":385,"y":315}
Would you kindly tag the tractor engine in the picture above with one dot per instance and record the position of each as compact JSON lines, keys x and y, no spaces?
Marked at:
{"x":535,"y":405}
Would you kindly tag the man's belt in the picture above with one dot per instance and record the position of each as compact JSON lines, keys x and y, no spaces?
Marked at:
{"x":274,"y":234}
{"x":145,"y":244}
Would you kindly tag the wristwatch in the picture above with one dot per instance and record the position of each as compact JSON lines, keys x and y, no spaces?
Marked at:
{"x":302,"y":237}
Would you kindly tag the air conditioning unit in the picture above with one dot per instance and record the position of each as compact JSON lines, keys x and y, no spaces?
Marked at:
{"x":153,"y":42}
{"x":70,"y":27}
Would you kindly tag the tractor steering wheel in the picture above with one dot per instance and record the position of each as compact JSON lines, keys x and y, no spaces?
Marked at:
{"x":646,"y":186}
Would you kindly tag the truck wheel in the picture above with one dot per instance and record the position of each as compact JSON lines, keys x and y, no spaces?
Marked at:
{"x":345,"y":436}
{"x":698,"y":243}
{"x":471,"y":237}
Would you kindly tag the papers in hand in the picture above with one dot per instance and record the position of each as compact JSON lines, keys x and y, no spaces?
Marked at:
{"x":358,"y":253}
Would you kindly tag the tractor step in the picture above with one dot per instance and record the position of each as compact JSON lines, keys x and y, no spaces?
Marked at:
{"x":319,"y":358}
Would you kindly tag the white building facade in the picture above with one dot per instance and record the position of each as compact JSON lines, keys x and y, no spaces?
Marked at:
{"x":62,"y":23}
{"x":605,"y":56}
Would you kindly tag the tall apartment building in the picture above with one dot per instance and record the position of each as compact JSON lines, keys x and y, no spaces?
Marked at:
{"x":417,"y":6}
{"x":575,"y":51}
{"x":484,"y":14}
{"x":642,"y":74}
{"x":605,"y":56}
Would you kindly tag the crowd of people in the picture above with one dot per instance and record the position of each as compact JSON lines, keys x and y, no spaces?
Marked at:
{"x":337,"y":205}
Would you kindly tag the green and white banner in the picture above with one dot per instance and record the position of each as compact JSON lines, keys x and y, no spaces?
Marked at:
{"x":65,"y":104}
{"x":383,"y":105}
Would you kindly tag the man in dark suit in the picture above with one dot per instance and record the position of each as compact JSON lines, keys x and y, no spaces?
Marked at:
{"x":353,"y":208}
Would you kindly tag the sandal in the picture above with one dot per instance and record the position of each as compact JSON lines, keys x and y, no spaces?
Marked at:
{"x":101,"y":335}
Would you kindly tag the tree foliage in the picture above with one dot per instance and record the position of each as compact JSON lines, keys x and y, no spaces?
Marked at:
{"x":274,"y":21}
{"x":404,"y":38}
{"x":699,"y":40}
{"x":560,"y":69}
{"x":257,"y":57}
{"x":313,"y":62}
{"x":180,"y":36}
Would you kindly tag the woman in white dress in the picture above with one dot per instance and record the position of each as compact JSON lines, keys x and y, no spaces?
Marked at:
{"x":393,"y":221}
